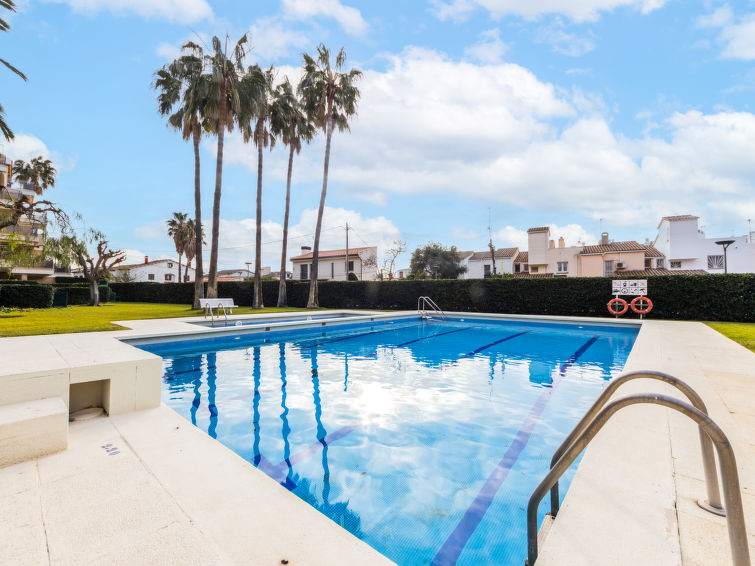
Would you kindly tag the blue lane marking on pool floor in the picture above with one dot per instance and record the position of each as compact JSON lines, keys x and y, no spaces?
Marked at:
{"x":451,"y":550}
{"x":486,"y":346}
{"x":374,"y":354}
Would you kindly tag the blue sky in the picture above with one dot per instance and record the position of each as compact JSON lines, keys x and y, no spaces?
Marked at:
{"x":580,"y":114}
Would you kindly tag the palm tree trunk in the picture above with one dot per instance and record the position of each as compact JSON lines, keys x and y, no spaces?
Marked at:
{"x":258,"y":304}
{"x":313,"y":302}
{"x":282,"y":297}
{"x":198,"y":275}
{"x":179,"y":268}
{"x":212,"y":280}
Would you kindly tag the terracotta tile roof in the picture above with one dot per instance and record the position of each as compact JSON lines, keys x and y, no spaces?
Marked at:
{"x":499,"y":253}
{"x":465,"y":254}
{"x":651,"y":251}
{"x":154,"y":261}
{"x":528,"y":275}
{"x":539,"y":229}
{"x":664,"y":272}
{"x":522,"y":257}
{"x":680,"y":217}
{"x":330,"y":253}
{"x":630,"y":246}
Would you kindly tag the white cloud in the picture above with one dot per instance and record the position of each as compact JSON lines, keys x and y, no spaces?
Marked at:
{"x":271,"y":40}
{"x":349,"y":18}
{"x":739,"y":39}
{"x":577,"y":10}
{"x":573,"y":234}
{"x":463,"y":234}
{"x":497,"y":134}
{"x":167,"y":51}
{"x":152,"y":231}
{"x":181,"y":11}
{"x":26,"y":147}
{"x":720,"y":17}
{"x":490,"y":48}
{"x":562,"y":41}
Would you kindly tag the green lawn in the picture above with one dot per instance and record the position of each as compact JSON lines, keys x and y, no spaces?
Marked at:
{"x":92,"y":319}
{"x":742,"y":332}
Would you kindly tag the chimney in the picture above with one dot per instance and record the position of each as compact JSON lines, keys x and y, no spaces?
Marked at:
{"x":604,"y":241}
{"x":551,"y":243}
{"x":146,"y":259}
{"x":561,"y":242}
{"x":305,"y":249}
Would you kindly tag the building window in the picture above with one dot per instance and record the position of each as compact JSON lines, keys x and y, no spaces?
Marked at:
{"x":608,"y":267}
{"x":526,"y":267}
{"x":659,"y":263}
{"x":304,"y":271}
{"x":351,"y":266}
{"x":715,"y":262}
{"x":648,"y":263}
{"x":517,"y":267}
{"x":676,"y":264}
{"x":169,"y":277}
{"x":150,"y":277}
{"x":533,"y":269}
{"x":170,"y":265}
{"x":562,"y":266}
{"x":486,"y":269}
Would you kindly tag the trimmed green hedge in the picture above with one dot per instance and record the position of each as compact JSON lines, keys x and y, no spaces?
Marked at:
{"x":675,"y":297}
{"x":26,"y":296}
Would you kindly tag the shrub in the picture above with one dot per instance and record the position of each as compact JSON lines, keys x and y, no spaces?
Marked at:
{"x":676,"y":297}
{"x":26,"y":296}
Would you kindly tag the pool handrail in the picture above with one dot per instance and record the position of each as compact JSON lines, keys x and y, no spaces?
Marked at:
{"x":735,"y":520}
{"x":713,"y":503}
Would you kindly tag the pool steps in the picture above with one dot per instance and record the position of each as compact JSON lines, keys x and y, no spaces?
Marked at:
{"x":31,"y":429}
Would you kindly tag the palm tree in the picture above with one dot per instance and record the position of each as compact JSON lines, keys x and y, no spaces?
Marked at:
{"x":192,"y":249}
{"x":39,"y":172}
{"x":177,"y":229}
{"x":330,"y":96}
{"x":4,"y":26}
{"x":289,"y":121}
{"x":254,"y":122}
{"x":223,"y":71}
{"x":182,"y":83}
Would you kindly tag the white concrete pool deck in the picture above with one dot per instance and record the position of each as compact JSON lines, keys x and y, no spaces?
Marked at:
{"x":146,"y":487}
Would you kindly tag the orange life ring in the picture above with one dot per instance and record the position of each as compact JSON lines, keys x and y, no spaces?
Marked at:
{"x":622,"y":302}
{"x":646,"y":310}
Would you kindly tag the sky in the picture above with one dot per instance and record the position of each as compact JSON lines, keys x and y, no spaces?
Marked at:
{"x":583,"y":115}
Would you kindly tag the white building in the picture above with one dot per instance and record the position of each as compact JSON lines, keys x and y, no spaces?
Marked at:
{"x":157,"y":271}
{"x":332,"y":264}
{"x":685,"y":246}
{"x":480,"y":264}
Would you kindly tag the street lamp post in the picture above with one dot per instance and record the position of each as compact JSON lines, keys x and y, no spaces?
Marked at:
{"x":248,"y":268}
{"x":725,"y":244}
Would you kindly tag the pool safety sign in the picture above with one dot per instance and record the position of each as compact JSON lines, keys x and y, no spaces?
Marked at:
{"x":630,"y":287}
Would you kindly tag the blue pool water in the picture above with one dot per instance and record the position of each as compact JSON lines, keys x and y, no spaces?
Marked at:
{"x":423,"y":438}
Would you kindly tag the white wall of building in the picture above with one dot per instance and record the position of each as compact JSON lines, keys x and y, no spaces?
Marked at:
{"x":334,"y":269}
{"x":476,"y":267}
{"x":686,"y":247}
{"x":157,"y":271}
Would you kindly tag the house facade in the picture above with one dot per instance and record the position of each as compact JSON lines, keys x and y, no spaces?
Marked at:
{"x":480,"y":264}
{"x":155,"y":271}
{"x":685,"y":247}
{"x":331,"y":264}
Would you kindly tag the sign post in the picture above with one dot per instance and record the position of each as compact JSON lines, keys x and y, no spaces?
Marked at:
{"x":630,"y":288}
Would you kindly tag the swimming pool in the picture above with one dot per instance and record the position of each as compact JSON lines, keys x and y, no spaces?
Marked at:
{"x":423,"y":438}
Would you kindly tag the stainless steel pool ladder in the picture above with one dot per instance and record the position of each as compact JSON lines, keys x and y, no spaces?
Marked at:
{"x":710,"y":434}
{"x":424,"y":302}
{"x":212,"y":316}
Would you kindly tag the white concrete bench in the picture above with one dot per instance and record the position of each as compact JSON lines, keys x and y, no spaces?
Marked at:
{"x":31,"y":429}
{"x":209,"y":304}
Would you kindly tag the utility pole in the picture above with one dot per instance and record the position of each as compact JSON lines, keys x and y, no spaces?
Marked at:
{"x":347,"y":251}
